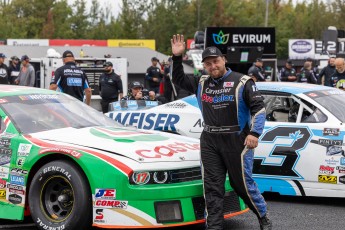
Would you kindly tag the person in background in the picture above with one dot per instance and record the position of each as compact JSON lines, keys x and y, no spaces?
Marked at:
{"x":71,"y":79}
{"x":4,"y":73}
{"x":154,"y":76}
{"x":136,"y":91}
{"x":14,"y":69}
{"x":338,"y":77}
{"x":110,"y":87}
{"x":256,"y":70}
{"x":168,"y":88}
{"x":307,"y":74}
{"x":314,"y":68}
{"x":327,"y":72}
{"x":288,"y":73}
{"x":26,"y":75}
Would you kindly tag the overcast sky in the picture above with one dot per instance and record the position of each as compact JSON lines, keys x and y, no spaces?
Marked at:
{"x":115,"y":5}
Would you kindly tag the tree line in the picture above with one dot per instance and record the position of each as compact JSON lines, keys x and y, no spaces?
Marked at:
{"x":160,"y":19}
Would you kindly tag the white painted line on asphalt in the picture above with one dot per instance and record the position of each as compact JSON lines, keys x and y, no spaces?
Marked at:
{"x":16,"y":226}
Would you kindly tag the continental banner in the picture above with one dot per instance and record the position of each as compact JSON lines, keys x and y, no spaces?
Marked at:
{"x":132,"y":43}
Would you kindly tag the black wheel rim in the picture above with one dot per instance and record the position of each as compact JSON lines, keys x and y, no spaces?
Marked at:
{"x":57,"y":198}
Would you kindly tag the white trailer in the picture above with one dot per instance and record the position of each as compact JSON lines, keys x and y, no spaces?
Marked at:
{"x":93,"y":67}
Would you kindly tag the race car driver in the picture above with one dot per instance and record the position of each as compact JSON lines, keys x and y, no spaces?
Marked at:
{"x":228,"y":100}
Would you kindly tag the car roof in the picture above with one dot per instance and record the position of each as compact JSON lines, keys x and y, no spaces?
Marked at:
{"x":290,"y":87}
{"x":11,"y":90}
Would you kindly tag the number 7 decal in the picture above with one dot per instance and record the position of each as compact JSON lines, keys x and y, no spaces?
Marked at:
{"x":299,"y":137}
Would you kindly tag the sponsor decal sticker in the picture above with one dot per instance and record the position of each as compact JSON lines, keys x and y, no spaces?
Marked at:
{"x":105,"y":193}
{"x":2,"y":183}
{"x":15,"y":199}
{"x":228,"y":84}
{"x":99,"y":217}
{"x":69,"y":152}
{"x":342,"y":179}
{"x":199,"y":124}
{"x":16,"y":187}
{"x":74,"y":81}
{"x":332,"y":161}
{"x":18,"y":180}
{"x":167,"y":151}
{"x":141,"y":177}
{"x":312,"y":95}
{"x":38,"y":97}
{"x":15,"y":191}
{"x":24,"y":149}
{"x":327,"y":142}
{"x":121,"y":204}
{"x":176,"y":105}
{"x":328,"y":179}
{"x":151,"y":103}
{"x":7,"y":135}
{"x":20,"y":161}
{"x":326,"y":170}
{"x":331,"y":132}
{"x":4,"y":172}
{"x":333,"y":150}
{"x":342,"y":161}
{"x":217,"y":99}
{"x":19,"y":172}
{"x":5,"y":142}
{"x":2,"y":194}
{"x":5,"y":156}
{"x":341,"y":169}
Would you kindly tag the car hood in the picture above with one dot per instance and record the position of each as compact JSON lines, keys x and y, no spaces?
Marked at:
{"x":139,"y":145}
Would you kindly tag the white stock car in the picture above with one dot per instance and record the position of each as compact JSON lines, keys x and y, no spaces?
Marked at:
{"x":301,"y":150}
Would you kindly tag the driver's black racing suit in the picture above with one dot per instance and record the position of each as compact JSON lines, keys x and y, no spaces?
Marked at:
{"x":232,"y":108}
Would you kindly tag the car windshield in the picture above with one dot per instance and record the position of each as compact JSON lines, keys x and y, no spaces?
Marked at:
{"x":42,"y":112}
{"x":332,"y":100}
{"x":132,"y":105}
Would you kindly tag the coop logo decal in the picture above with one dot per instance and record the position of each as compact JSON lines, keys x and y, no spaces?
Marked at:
{"x":121,"y":135}
{"x":220,"y":38}
{"x":24,"y":149}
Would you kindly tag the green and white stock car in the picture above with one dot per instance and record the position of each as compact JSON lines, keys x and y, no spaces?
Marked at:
{"x":69,"y":167}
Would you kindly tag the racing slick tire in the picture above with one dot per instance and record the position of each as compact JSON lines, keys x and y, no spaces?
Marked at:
{"x":60,"y":197}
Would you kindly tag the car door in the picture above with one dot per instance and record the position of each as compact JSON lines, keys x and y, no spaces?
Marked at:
{"x":289,"y":157}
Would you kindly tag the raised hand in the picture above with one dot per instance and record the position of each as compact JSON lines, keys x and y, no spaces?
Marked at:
{"x":178,"y":45}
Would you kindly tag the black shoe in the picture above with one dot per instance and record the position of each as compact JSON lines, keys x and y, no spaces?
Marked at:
{"x":265,"y":223}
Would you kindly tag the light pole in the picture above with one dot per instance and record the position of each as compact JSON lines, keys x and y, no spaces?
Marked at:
{"x":198,"y":2}
{"x":266,"y":16}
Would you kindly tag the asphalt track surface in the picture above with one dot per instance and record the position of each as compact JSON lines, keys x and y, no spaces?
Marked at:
{"x":287,"y":213}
